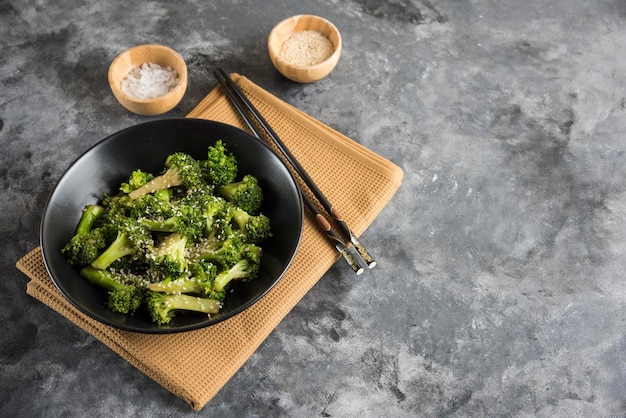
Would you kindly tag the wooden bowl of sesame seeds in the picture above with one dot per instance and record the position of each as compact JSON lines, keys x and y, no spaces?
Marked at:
{"x":148,"y":79}
{"x":304,"y":48}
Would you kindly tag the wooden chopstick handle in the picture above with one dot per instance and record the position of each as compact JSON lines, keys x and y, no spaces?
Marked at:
{"x":369,"y":260}
{"x":339,"y":244}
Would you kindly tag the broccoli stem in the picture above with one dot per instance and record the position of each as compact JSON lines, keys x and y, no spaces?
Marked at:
{"x":181,"y":285}
{"x":191,"y":303}
{"x":121,"y":247}
{"x":165,"y":225}
{"x":88,"y":218}
{"x":201,"y":283}
{"x":241,"y":218}
{"x":123,"y":298}
{"x":182,"y":169}
{"x":101,"y":278}
{"x":162,"y":306}
{"x":171,"y":178}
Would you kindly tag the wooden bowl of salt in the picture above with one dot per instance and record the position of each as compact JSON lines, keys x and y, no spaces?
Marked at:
{"x":304,"y":48}
{"x":148,"y":79}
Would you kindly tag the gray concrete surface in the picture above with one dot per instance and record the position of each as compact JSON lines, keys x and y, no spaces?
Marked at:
{"x":500,"y":289}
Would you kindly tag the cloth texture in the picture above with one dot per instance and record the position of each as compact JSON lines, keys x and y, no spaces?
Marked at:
{"x":358,"y":181}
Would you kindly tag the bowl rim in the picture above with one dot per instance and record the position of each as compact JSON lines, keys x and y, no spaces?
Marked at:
{"x":164,"y":330}
{"x":117,"y":90}
{"x":275,"y":54}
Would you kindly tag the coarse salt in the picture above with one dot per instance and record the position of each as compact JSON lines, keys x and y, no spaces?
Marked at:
{"x":150,"y":81}
{"x":307,"y":47}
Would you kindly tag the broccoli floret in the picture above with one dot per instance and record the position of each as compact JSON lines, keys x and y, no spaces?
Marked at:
{"x":182,"y":169}
{"x":220,"y":167}
{"x":214,"y":210}
{"x":83,"y":249}
{"x":185,"y":218}
{"x":114,"y":207}
{"x":211,"y":208}
{"x":246,"y":194}
{"x":245,"y":270}
{"x":163,"y":306}
{"x":223,"y":252}
{"x":253,"y":253}
{"x":204,"y":272}
{"x":169,"y":257}
{"x":221,"y":228}
{"x":136,"y":179}
{"x":126,"y":291}
{"x":88,"y":242}
{"x":254,"y":228}
{"x":207,"y":210}
{"x":200,"y":281}
{"x":132,"y":239}
{"x":199,"y":212}
{"x":151,"y":206}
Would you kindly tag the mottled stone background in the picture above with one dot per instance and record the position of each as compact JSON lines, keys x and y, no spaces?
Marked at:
{"x":500,"y":289}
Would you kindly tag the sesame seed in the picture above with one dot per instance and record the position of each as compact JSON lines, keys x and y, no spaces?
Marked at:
{"x":307,"y":47}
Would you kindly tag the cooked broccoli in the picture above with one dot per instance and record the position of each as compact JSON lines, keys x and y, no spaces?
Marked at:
{"x":238,"y":260}
{"x":136,"y":179}
{"x":224,"y":252}
{"x":182,"y":170}
{"x":115,"y":207}
{"x":204,"y":272}
{"x":163,"y":306}
{"x":254,"y":228}
{"x":214,"y":210}
{"x":253,"y":253}
{"x":221,"y":229}
{"x":169,"y":257}
{"x":132,"y":240}
{"x":185,"y":220}
{"x":183,"y":284}
{"x":174,"y":241}
{"x":199,"y":213}
{"x":83,"y":249}
{"x":199,"y":282}
{"x":88,"y":218}
{"x":126,"y":291}
{"x":164,"y":194}
{"x":151,"y":206}
{"x":245,"y":269}
{"x":193,"y":216}
{"x":170,"y":224}
{"x":247,"y":193}
{"x":220,"y":167}
{"x":207,"y":211}
{"x":88,"y":242}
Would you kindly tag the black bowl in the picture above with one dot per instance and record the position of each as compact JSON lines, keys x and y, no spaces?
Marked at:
{"x":103,"y":167}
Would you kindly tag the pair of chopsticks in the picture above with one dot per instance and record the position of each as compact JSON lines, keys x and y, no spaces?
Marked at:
{"x":260,"y":128}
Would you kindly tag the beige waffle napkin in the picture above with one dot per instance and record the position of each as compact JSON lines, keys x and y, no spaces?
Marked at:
{"x":354,"y":178}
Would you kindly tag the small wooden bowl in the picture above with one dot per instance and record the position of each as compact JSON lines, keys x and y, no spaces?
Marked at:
{"x":298,"y":73}
{"x":135,"y":57}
